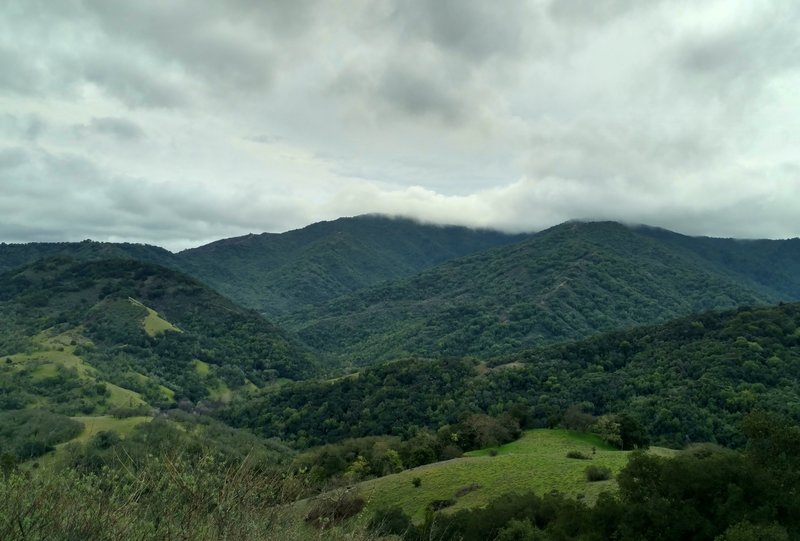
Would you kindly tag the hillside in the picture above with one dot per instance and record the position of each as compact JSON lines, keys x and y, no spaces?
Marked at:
{"x":688,"y":380}
{"x":773,"y":264}
{"x":276,"y":273}
{"x":537,"y":461}
{"x":567,"y":282}
{"x":14,"y":256}
{"x":279,"y":273}
{"x":85,"y":337}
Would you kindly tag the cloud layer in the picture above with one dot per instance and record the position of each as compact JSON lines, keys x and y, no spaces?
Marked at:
{"x":177,"y":123}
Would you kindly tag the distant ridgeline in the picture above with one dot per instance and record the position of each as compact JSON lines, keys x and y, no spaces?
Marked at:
{"x":369,"y":289}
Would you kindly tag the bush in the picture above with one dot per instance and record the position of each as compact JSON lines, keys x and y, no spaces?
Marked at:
{"x":334,"y":508}
{"x":578,"y":455}
{"x":597,"y":473}
{"x":122,"y":412}
{"x":416,"y":481}
{"x":466,"y":490}
{"x":390,"y":521}
{"x":437,"y":505}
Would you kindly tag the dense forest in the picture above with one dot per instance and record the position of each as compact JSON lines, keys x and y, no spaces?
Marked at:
{"x":685,"y":381}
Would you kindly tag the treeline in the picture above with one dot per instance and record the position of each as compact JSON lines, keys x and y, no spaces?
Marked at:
{"x":686,"y":381}
{"x":706,"y":493}
{"x":357,"y":459}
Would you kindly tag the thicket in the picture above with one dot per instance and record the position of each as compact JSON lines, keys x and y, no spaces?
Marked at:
{"x":687,"y":381}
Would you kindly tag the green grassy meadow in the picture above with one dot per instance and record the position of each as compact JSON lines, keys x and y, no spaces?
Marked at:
{"x":537,"y":461}
{"x":153,"y":323}
{"x":101,"y":423}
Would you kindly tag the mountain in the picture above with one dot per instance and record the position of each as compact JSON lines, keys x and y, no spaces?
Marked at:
{"x":567,"y":282}
{"x":280,"y":273}
{"x":14,"y":256}
{"x":772,"y":264}
{"x":87,"y":336}
{"x":688,"y":380}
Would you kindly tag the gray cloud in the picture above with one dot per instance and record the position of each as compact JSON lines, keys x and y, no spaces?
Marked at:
{"x":116,"y":127}
{"x":181,"y":122}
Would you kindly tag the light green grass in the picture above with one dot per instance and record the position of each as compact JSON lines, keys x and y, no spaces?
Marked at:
{"x":122,"y":397}
{"x":153,"y":323}
{"x":168,"y":393}
{"x":93,"y":425}
{"x":537,"y":462}
{"x":201,"y":367}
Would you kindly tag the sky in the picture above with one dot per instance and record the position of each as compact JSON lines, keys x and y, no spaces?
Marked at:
{"x":178,"y":123}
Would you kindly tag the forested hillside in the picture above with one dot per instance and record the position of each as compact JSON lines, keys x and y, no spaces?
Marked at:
{"x":14,"y":256}
{"x":685,"y":381}
{"x":568,"y":282}
{"x":279,"y":273}
{"x":82,"y":337}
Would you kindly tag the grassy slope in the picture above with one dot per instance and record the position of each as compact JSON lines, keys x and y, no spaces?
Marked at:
{"x":537,"y":462}
{"x":146,"y":323}
{"x":153,"y":323}
{"x":94,"y":424}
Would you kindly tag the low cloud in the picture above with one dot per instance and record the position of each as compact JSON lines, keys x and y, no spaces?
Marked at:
{"x":177,"y":123}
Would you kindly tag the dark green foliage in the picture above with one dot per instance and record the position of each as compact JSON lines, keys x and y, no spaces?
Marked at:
{"x":28,"y":434}
{"x":391,"y":521}
{"x":689,"y":380}
{"x":279,"y":273}
{"x":578,"y":455}
{"x":568,"y":282}
{"x":333,"y":508}
{"x":597,"y":473}
{"x":14,"y":256}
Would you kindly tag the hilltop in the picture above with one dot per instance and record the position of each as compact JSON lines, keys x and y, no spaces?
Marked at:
{"x":80,"y":337}
{"x":280,"y":273}
{"x":565,"y":283}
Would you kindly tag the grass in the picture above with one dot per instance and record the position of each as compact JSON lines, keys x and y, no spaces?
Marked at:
{"x":93,"y":425}
{"x":121,"y":397}
{"x":153,"y":323}
{"x":537,"y":461}
{"x":201,"y":367}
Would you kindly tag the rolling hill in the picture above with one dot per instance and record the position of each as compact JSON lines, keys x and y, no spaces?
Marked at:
{"x":568,"y":282}
{"x":86,"y":337}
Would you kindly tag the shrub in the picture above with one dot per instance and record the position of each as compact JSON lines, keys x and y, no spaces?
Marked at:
{"x":416,"y":481}
{"x":597,"y":473}
{"x":577,"y":455}
{"x":437,"y":505}
{"x":390,"y":521}
{"x":466,"y":490}
{"x":334,"y":508}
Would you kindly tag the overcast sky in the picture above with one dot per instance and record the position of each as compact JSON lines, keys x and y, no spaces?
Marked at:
{"x":177,"y":123}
